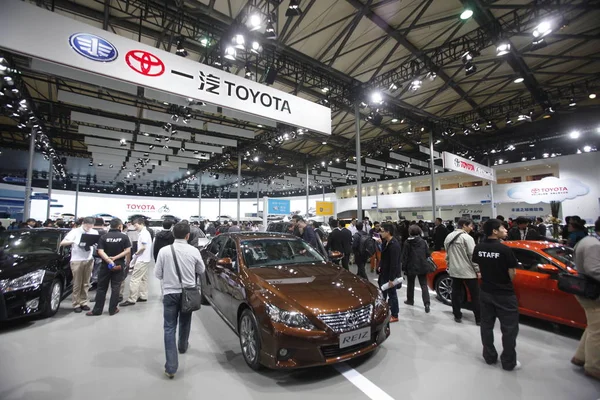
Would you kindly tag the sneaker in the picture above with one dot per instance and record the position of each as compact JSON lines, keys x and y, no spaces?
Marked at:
{"x":458,"y":320}
{"x":140,"y":300}
{"x":427,"y":309}
{"x":127,"y":303}
{"x":77,"y":310}
{"x":577,"y":361}
{"x":408,"y":303}
{"x":393,"y":319}
{"x":168,"y":375}
{"x":85,"y":308}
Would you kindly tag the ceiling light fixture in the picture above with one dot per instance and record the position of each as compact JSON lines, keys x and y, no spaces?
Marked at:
{"x":502,"y":49}
{"x":255,"y":21}
{"x":519,"y":80}
{"x":575,"y":135}
{"x":587,"y":149}
{"x":416,"y":85}
{"x":592,"y":96}
{"x":293,"y":9}
{"x":239,"y":41}
{"x":230,"y":53}
{"x":466,"y":14}
{"x":376,"y":98}
{"x":256,"y":47}
{"x":543,"y":29}
{"x":181,"y":51}
{"x":270,"y":31}
{"x":572,"y":102}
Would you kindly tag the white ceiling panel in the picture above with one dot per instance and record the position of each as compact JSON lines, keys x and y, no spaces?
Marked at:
{"x":163,"y":117}
{"x":228,"y":130}
{"x":250,"y":118}
{"x":157,"y":130}
{"x":106,"y":150}
{"x":102,"y":121}
{"x":98,"y":104}
{"x":90,"y":131}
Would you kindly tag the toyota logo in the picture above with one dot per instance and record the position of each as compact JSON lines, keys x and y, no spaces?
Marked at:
{"x":145,"y":63}
{"x":352,"y":320}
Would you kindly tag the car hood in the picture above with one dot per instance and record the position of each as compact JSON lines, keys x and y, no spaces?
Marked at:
{"x":12,"y":266}
{"x":321,"y":288}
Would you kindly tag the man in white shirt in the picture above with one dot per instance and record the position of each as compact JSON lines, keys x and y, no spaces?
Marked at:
{"x":138,"y":284}
{"x":82,"y":263}
{"x":190,"y":264}
{"x":352,"y":226}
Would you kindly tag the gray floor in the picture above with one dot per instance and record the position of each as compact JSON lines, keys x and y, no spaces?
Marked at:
{"x":72,"y":356}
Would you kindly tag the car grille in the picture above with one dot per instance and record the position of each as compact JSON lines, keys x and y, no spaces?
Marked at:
{"x":335,"y":351}
{"x":348,"y":320}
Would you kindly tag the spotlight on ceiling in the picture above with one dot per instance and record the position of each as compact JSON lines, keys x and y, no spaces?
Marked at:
{"x":572,"y":102}
{"x":181,"y":51}
{"x":508,"y":120}
{"x":415,"y":85}
{"x":239,"y":41}
{"x":592,"y":95}
{"x":537,"y":44}
{"x":587,"y":149}
{"x":255,"y":22}
{"x":466,"y":14}
{"x":502,"y":49}
{"x":431,"y":76}
{"x":270,"y":31}
{"x":543,"y":29}
{"x":394,"y":86}
{"x":230,"y":53}
{"x":256,"y":48}
{"x":293,"y":9}
{"x":123,"y":142}
{"x":376,"y":98}
{"x":575,"y":135}
{"x":248,"y":68}
{"x":519,"y":80}
{"x":467,"y":60}
{"x":548,"y":113}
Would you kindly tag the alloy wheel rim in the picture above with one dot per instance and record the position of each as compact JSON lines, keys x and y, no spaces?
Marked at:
{"x":445,"y":288}
{"x":55,"y":296}
{"x":247,"y":335}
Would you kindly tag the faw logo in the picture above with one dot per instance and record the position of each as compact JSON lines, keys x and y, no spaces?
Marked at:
{"x":140,"y":207}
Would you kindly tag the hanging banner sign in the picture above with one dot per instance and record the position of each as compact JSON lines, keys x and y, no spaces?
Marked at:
{"x":466,"y":166}
{"x":278,"y":207}
{"x":75,"y":44}
{"x":324,"y":208}
{"x":547,"y":190}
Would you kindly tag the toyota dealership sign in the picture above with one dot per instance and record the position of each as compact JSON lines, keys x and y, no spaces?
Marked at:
{"x":464,"y":165}
{"x":547,"y":190}
{"x":78,"y":45}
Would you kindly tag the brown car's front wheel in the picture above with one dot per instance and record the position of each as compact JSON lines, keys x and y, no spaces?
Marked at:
{"x":250,"y":339}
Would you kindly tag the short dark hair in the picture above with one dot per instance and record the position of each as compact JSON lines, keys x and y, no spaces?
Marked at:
{"x":89,"y":220}
{"x":490,"y":225}
{"x":300,"y":219}
{"x":167,"y":224}
{"x":234,"y":222}
{"x":334,"y":223}
{"x":30,"y":219}
{"x":296,"y":217}
{"x":139,"y":221}
{"x":181,"y":230}
{"x":522,"y":220}
{"x":389,"y":228}
{"x":375,"y":223}
{"x":500,"y":217}
{"x":464,"y":222}
{"x":439,"y":219}
{"x":115,"y":223}
{"x":360,"y":225}
{"x":539,"y":219}
{"x":415,"y":230}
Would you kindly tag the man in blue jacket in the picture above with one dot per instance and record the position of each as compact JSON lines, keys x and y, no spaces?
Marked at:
{"x":307,"y":232}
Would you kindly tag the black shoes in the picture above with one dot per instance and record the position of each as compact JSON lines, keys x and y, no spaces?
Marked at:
{"x":115,"y":312}
{"x":427,"y":309}
{"x":409,"y":303}
{"x":458,"y":320}
{"x":77,"y":310}
{"x":182,"y":351}
{"x":127,"y":304}
{"x":140,"y":300}
{"x":85,"y":308}
{"x":168,"y":375}
{"x":92,"y":314}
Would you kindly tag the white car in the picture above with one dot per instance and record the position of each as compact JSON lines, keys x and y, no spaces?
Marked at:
{"x":67,"y":217}
{"x":224,"y":218}
{"x":196,"y":218}
{"x":105,"y":217}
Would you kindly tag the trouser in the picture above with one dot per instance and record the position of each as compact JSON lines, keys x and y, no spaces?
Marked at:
{"x":82,"y":271}
{"x":391,"y":296}
{"x":172,"y":311}
{"x":410,"y":290}
{"x":375,"y":258}
{"x":138,"y":284}
{"x":589,"y":345}
{"x":345,"y":261}
{"x":360,"y":264}
{"x":458,"y":294}
{"x":106,"y":277}
{"x":506,"y":308}
{"x":97,"y":264}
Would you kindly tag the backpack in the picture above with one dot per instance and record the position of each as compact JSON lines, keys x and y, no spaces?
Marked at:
{"x":367,"y":246}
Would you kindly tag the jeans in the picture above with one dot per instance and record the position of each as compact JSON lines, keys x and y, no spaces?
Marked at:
{"x":360,"y":263}
{"x":106,"y":277}
{"x":506,"y":308}
{"x":458,"y":294}
{"x":392,"y":298}
{"x":172,"y":311}
{"x":410,"y":290}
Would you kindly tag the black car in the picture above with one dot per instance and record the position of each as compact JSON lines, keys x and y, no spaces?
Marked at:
{"x":35,"y":275}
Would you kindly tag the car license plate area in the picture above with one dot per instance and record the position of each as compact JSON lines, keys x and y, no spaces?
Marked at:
{"x":352,"y":338}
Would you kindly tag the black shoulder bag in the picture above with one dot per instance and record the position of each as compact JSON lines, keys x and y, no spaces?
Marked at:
{"x":579,"y":285}
{"x":190,"y":297}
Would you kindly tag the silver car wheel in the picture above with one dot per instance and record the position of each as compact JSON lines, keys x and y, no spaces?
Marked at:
{"x":445,"y":289}
{"x":55,"y":296}
{"x":248,"y":336}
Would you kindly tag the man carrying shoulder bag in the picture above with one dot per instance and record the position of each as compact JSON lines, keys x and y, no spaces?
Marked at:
{"x":177,"y":267}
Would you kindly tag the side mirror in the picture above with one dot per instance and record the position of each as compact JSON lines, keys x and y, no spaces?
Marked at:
{"x":225,"y":262}
{"x":547,"y":269}
{"x":335,"y":255}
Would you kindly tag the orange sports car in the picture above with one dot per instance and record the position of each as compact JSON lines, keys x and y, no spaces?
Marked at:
{"x":535,"y":282}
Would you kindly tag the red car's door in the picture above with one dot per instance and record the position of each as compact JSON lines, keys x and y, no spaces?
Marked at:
{"x":538,"y":293}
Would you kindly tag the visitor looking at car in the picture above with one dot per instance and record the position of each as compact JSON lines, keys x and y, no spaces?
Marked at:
{"x":463,"y":271}
{"x":587,"y":260}
{"x":307,"y":232}
{"x":114,"y":248}
{"x":82,"y":263}
{"x":523,"y":230}
{"x":414,"y":263}
{"x":439,"y":234}
{"x":390,"y":268}
{"x":498,"y":266}
{"x":577,"y":231}
{"x":358,"y":247}
{"x":374,"y":233}
{"x":138,"y":284}
{"x":189,"y":264}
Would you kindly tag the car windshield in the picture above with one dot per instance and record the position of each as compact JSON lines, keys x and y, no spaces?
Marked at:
{"x":275,"y":251}
{"x":562,"y":254}
{"x":30,"y":241}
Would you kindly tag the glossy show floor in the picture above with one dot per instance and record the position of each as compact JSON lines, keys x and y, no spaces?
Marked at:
{"x":72,"y":356}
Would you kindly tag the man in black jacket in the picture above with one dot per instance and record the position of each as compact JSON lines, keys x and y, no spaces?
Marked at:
{"x":390,"y":268}
{"x":335,"y":241}
{"x":163,"y":238}
{"x":346,"y":236}
{"x":359,"y":258}
{"x":523,"y":231}
{"x":439,"y":235}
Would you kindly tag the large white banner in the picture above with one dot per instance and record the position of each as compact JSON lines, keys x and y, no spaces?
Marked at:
{"x":547,"y":190}
{"x":31,"y":30}
{"x":460,"y":164}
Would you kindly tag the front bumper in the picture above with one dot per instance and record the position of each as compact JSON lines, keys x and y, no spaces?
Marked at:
{"x":314,"y":348}
{"x":18,"y":304}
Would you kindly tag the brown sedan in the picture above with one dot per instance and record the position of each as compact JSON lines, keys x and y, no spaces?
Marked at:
{"x":290,"y":307}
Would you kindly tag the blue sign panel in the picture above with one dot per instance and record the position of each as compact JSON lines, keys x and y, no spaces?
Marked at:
{"x":279,"y":206}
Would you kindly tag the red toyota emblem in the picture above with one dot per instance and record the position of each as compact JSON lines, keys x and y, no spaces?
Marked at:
{"x":145,"y":63}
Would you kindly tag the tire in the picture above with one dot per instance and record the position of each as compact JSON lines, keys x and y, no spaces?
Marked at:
{"x":443,"y":288}
{"x":53,"y":298}
{"x":250,"y":339}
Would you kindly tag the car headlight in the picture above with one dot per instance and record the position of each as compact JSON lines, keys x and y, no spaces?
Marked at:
{"x":290,"y":318}
{"x":31,"y":279}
